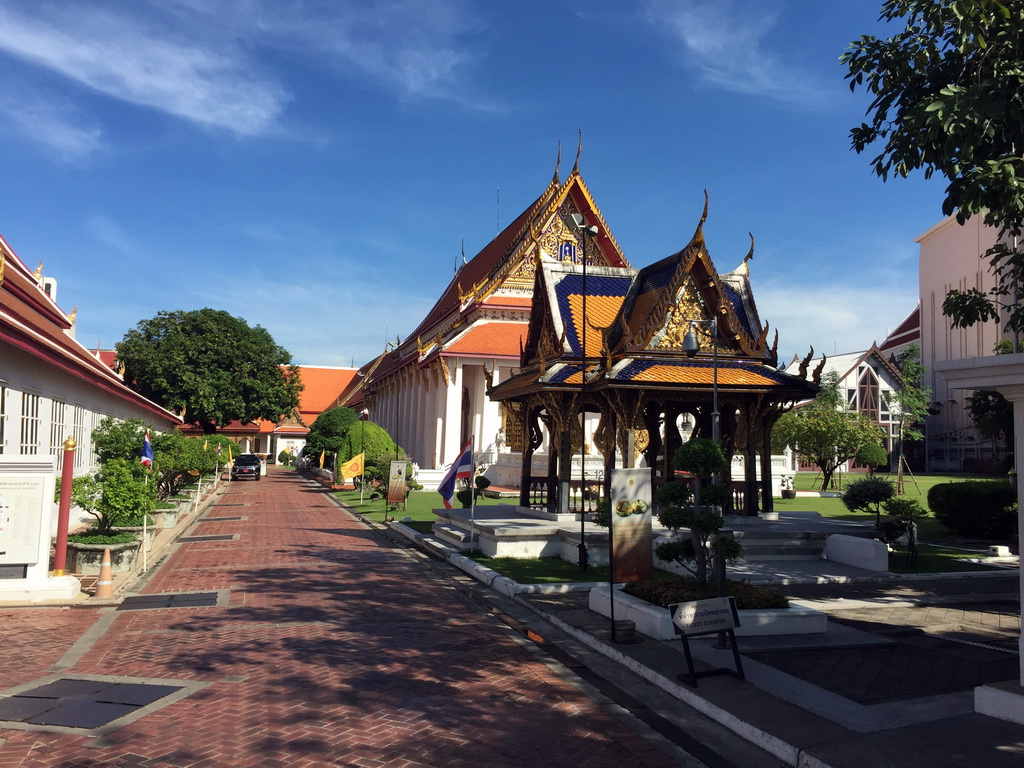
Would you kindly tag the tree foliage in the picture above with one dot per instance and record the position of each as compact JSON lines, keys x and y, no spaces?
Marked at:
{"x":948,"y":99}
{"x":211,"y":367}
{"x":328,"y":432}
{"x":911,"y":398}
{"x":867,"y":495}
{"x":825,"y":431}
{"x":992,"y":413}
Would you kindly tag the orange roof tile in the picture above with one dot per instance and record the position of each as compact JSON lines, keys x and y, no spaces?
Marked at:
{"x":491,"y":340}
{"x":322,"y":387}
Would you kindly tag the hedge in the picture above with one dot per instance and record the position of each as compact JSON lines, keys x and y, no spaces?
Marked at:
{"x":976,"y":509}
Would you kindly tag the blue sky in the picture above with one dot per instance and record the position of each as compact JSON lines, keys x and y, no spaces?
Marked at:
{"x":314,"y":167}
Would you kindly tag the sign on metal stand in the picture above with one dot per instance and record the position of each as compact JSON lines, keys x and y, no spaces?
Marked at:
{"x":706,"y":617}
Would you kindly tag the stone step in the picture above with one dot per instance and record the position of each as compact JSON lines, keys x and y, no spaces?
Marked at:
{"x":451,"y":534}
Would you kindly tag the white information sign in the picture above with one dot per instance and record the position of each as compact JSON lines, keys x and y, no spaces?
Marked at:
{"x":22,"y":508}
{"x":705,"y":616}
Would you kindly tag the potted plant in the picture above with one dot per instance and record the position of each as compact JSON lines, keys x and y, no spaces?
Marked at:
{"x":85,"y":549}
{"x":788,"y":491}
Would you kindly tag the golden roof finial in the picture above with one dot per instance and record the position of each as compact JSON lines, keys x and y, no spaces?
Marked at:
{"x":3,"y":266}
{"x":579,"y":148}
{"x":750,"y":253}
{"x":74,"y":312}
{"x":558,"y":161}
{"x":39,"y":271}
{"x":698,"y":235}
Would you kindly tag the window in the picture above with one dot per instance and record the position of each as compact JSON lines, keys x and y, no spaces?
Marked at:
{"x":868,"y":394}
{"x":58,"y":416}
{"x":78,"y":433}
{"x":29,"y":423}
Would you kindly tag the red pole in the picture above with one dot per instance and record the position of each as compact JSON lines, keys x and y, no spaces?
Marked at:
{"x":67,"y":476}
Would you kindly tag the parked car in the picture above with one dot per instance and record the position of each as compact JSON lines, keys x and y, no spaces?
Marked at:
{"x":246,"y":465}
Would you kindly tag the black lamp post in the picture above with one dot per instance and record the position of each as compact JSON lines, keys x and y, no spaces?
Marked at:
{"x":691,"y":347}
{"x":585,"y":231}
{"x":363,"y":415}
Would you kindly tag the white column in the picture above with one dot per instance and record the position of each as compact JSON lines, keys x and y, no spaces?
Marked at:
{"x":440,"y":400}
{"x":452,"y":413}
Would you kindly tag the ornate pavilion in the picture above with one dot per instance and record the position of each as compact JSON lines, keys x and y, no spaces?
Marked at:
{"x":645,"y":351}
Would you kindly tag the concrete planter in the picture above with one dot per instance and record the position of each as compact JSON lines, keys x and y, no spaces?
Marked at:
{"x":85,"y":559}
{"x":150,"y":533}
{"x":166,"y":518}
{"x":655,"y":621}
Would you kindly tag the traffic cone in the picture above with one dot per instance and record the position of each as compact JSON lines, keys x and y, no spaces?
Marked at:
{"x":105,"y":583}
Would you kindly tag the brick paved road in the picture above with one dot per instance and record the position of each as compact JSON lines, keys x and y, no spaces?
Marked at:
{"x":334,"y":649}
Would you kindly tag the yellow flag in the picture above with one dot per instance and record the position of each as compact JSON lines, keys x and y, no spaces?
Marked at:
{"x":229,"y":454}
{"x":206,"y":444}
{"x":322,"y":458}
{"x":353,"y":467}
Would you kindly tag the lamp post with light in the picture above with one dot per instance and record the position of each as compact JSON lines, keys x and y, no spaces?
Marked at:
{"x":585,"y":231}
{"x":363,"y":415}
{"x":691,"y":346}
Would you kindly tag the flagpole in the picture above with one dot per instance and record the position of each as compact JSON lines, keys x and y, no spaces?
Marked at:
{"x":472,"y":496}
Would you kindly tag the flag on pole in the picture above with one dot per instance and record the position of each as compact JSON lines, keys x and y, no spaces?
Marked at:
{"x":322,"y":458}
{"x":218,"y":449}
{"x":353,"y":467}
{"x":462,"y":469}
{"x":206,"y":444}
{"x":230,"y":458}
{"x":147,"y":452}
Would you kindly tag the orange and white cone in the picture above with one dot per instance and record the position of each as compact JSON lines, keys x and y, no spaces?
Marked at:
{"x":105,"y":583}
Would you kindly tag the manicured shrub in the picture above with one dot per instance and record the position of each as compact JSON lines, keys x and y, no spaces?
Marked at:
{"x":976,"y":509}
{"x":867,"y":495}
{"x":872,"y":456}
{"x":685,"y":589}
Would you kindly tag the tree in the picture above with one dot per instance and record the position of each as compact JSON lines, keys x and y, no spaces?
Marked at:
{"x":825,"y":431}
{"x":702,"y":458}
{"x":211,"y":367}
{"x":872,"y":455}
{"x":328,"y":432}
{"x":992,"y":413}
{"x":948,"y":98}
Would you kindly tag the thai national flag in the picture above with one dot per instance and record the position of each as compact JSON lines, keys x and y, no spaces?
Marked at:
{"x":462,"y":469}
{"x":147,"y":452}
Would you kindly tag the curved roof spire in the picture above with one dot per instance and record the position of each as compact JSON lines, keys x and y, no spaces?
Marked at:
{"x":579,"y":148}
{"x":750,"y":253}
{"x":698,"y":235}
{"x":558,"y":161}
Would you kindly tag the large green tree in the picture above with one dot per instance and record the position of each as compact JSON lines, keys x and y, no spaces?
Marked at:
{"x":948,"y":99}
{"x":211,"y":367}
{"x":826,"y":431}
{"x":911,"y":402}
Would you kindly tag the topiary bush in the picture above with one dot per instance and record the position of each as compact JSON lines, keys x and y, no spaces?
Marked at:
{"x":867,"y":495}
{"x":872,"y":456}
{"x":976,"y":509}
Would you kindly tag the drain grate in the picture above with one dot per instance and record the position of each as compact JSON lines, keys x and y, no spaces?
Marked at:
{"x":194,"y":539}
{"x":87,"y":704}
{"x":220,"y":519}
{"x":231,"y":504}
{"x":175,"y":600}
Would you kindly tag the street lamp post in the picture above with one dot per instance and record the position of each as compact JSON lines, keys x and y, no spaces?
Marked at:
{"x":585,"y":231}
{"x":363,"y":414}
{"x":691,"y":347}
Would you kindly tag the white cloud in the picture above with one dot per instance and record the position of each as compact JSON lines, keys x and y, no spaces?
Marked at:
{"x":726,"y":45}
{"x":830,"y":316}
{"x":139,"y":63}
{"x":52,"y":123}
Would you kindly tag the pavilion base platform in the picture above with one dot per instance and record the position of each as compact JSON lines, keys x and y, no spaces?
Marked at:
{"x":506,"y":530}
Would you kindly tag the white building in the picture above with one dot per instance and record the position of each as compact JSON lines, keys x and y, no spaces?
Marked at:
{"x":51,"y":386}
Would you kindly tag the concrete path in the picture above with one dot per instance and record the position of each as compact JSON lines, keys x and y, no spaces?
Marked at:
{"x":323,"y":643}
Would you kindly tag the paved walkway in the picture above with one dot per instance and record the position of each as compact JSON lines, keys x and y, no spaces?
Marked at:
{"x":328,"y":645}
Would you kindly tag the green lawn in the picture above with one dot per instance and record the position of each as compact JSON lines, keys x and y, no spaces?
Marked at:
{"x":929,"y":528}
{"x":935,"y":560}
{"x":419,"y":506}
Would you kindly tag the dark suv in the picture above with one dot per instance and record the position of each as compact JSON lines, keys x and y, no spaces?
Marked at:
{"x":246,"y":465}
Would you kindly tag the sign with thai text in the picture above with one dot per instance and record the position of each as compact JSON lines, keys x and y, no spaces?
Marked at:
{"x":705,"y":616}
{"x":23,"y":507}
{"x":396,"y":482}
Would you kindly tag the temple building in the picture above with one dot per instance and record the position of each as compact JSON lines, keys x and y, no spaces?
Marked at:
{"x":548,"y":348}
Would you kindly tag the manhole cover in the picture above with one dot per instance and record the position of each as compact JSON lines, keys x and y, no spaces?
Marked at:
{"x":174,"y":600}
{"x":193,"y":539}
{"x":88,"y":703}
